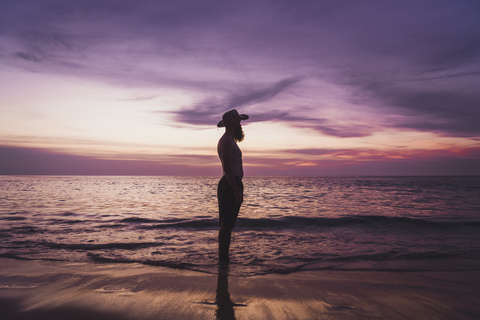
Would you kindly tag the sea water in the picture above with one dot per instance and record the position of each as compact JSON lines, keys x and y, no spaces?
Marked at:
{"x":286,"y":224}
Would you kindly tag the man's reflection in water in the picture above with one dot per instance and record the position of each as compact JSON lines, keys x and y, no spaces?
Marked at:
{"x":225,"y":305}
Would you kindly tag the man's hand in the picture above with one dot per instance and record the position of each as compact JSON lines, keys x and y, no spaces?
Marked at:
{"x":238,"y":197}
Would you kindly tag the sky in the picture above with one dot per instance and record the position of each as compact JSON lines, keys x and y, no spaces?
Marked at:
{"x":112,"y":87}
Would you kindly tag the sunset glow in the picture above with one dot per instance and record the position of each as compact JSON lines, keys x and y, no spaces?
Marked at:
{"x":331,"y":88}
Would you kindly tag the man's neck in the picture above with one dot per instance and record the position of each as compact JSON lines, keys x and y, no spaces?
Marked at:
{"x":230,"y":131}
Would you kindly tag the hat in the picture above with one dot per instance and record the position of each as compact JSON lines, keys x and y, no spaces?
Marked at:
{"x":231,"y":117}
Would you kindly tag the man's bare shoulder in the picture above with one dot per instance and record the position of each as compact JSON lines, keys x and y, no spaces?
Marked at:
{"x":226,"y":140}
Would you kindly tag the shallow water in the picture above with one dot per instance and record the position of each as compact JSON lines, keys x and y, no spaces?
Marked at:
{"x":286,"y":224}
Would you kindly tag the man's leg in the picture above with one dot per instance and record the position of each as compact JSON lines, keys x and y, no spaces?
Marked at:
{"x":224,"y":237}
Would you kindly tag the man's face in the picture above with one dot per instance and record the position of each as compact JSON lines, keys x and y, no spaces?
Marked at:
{"x":239,"y":135}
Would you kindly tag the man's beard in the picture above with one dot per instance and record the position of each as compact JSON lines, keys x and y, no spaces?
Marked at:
{"x":238,"y":135}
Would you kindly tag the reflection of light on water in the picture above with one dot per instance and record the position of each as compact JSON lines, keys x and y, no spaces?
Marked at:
{"x":286,"y":225}
{"x":115,"y":290}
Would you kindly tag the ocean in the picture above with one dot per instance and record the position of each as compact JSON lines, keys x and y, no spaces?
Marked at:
{"x":286,"y":224}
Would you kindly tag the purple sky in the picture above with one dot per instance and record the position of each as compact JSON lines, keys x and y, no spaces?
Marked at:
{"x":331,"y":87}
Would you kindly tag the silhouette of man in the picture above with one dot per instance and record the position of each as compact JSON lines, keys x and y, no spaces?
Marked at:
{"x":230,"y":187}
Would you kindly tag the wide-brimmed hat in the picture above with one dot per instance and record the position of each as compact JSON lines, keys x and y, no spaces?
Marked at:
{"x":231,"y":117}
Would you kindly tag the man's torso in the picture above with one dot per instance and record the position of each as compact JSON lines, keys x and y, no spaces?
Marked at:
{"x":237,"y":166}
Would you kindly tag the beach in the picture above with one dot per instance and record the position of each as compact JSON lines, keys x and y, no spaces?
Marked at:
{"x":64,"y":290}
{"x":303,"y":248}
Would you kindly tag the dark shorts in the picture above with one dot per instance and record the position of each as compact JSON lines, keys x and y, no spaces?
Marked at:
{"x":227,"y":209}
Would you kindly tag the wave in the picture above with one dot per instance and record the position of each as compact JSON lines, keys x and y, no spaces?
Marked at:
{"x":388,"y":261}
{"x":158,"y":263}
{"x":395,"y":255}
{"x":373,"y":221}
{"x":13,"y":218}
{"x":91,"y":246}
{"x":144,"y":220}
{"x":306,"y":222}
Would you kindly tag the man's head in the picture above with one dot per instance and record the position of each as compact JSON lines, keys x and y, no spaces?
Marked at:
{"x":231,"y":120}
{"x":231,"y":117}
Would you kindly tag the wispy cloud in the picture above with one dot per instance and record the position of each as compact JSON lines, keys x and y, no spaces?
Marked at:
{"x":142,"y":98}
{"x":363,"y":154}
{"x":207,"y":112}
{"x":253,"y":102}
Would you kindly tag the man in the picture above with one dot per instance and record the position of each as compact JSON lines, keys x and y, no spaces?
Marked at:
{"x":230,"y":187}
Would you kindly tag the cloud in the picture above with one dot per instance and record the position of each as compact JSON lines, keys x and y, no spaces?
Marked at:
{"x":363,"y":154}
{"x":210,"y":110}
{"x":463,"y":51}
{"x":448,"y":113}
{"x":141,"y":98}
{"x":36,"y":161}
{"x":440,"y":109}
{"x":409,"y":59}
{"x":328,"y":162}
{"x":30,"y":56}
{"x":261,"y":95}
{"x":442,"y":166}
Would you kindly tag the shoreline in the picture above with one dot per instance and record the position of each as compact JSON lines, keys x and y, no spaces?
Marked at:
{"x":33,"y":289}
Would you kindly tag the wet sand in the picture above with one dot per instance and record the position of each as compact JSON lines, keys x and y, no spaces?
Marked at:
{"x":59,"y":290}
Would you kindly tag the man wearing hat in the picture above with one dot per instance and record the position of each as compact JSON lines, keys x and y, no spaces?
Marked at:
{"x":230,"y":187}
